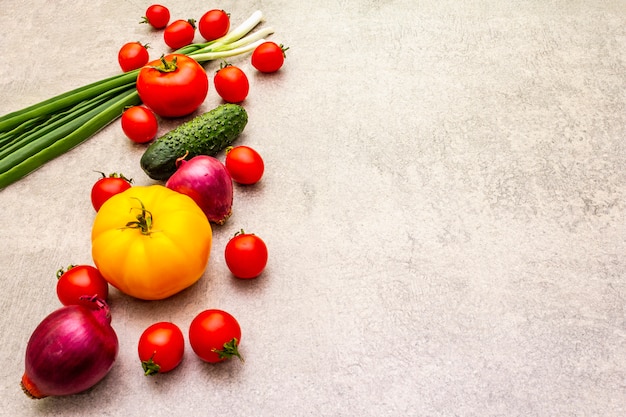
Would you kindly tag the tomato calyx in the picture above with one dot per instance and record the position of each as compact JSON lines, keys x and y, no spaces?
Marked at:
{"x":145,"y":45}
{"x":241,"y":232}
{"x":223,"y":65}
{"x":62,"y":271}
{"x":150,"y":367}
{"x":144,"y":220}
{"x":166,"y":66}
{"x":115,"y":175}
{"x":284,"y":49}
{"x":230,"y":349}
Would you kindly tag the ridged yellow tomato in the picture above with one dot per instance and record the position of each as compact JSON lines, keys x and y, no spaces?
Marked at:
{"x":151,"y":242}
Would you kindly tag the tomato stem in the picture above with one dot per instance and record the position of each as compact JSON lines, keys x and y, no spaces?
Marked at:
{"x":116,"y":175}
{"x":150,"y":367}
{"x":144,"y":220}
{"x":230,"y":350}
{"x":166,"y":66}
{"x":62,"y":270}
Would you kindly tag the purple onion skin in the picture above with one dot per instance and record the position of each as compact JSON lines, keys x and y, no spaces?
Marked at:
{"x":70,"y":351}
{"x":206,"y":180}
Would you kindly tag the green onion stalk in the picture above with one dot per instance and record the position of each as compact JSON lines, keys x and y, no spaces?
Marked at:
{"x":32,"y":136}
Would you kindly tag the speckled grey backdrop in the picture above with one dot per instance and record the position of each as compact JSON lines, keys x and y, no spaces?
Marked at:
{"x":443,"y":205}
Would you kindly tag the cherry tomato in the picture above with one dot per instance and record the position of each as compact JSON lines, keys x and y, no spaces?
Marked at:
{"x":214,"y":24}
{"x":157,"y":16}
{"x":268,"y":57}
{"x":173,"y":86}
{"x":161,"y":348}
{"x":180,"y":33}
{"x":139,"y":124}
{"x":246,"y":255}
{"x":214,"y":336}
{"x":81,"y":281}
{"x":244,"y":164}
{"x":132,"y":55}
{"x":107,"y":187}
{"x":231,"y":83}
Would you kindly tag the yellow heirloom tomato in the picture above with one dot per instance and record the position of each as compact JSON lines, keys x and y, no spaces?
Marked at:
{"x":151,"y":242}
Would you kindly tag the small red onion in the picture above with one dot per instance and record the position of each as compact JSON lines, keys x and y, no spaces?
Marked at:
{"x":206,"y":180}
{"x":71,"y":350}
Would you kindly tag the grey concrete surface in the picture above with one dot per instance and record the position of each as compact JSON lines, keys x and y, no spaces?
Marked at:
{"x":443,"y":205}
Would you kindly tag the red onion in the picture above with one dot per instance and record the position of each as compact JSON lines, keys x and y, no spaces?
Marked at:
{"x":206,"y":180}
{"x":70,"y":351}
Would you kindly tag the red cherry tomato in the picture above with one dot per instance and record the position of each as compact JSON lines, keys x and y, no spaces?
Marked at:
{"x":246,"y":255}
{"x":139,"y":124}
{"x":107,"y":187}
{"x":214,"y":336}
{"x":173,"y":86}
{"x":214,"y":24}
{"x":180,"y":33}
{"x":132,"y":55}
{"x":268,"y":57}
{"x":231,"y":83}
{"x":244,"y":164}
{"x":161,"y":348}
{"x":81,"y":281}
{"x":157,"y":16}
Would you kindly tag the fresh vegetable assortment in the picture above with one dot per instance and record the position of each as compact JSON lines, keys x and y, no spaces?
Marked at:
{"x":150,"y":241}
{"x":34,"y":135}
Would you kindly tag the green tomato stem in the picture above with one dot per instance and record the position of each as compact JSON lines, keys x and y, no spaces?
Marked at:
{"x":230,"y":349}
{"x":143,"y":222}
{"x":150,"y":367}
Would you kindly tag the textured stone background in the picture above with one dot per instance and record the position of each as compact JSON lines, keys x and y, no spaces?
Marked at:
{"x":443,"y":205}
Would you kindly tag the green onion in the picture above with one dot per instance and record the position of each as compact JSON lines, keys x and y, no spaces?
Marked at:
{"x":86,"y":126}
{"x":34,"y":135}
{"x":62,"y":101}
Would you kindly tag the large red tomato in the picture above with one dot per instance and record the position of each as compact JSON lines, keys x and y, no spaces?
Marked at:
{"x":173,"y":86}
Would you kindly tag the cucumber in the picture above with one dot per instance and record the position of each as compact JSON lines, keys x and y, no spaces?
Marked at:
{"x":206,"y":134}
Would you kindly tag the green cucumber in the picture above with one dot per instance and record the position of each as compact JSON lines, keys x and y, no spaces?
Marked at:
{"x":206,"y":134}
